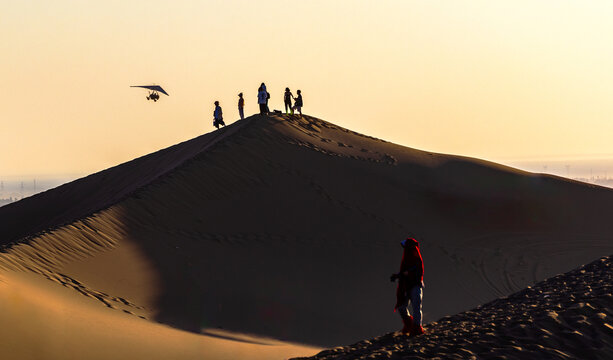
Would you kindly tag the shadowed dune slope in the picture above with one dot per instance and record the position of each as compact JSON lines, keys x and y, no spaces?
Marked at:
{"x":289,"y":228}
{"x":569,"y":316}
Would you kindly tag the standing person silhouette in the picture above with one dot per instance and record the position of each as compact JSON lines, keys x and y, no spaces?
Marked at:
{"x":410,"y":287}
{"x":287,"y":100}
{"x":218,"y":116}
{"x":298,"y":103}
{"x":241,"y":106}
{"x":262,"y":101}
{"x":267,"y":97}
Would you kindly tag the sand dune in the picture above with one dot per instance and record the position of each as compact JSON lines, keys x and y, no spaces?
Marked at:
{"x":569,"y":316}
{"x":288,"y":228}
{"x":43,"y":321}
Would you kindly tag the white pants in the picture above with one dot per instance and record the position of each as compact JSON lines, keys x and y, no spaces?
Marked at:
{"x":415,"y":296}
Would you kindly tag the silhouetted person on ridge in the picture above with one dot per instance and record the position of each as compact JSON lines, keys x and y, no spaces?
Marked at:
{"x":410,"y":287}
{"x":262,"y":101}
{"x":287,"y":100}
{"x":298,"y":102}
{"x":241,"y":106}
{"x":267,"y":97}
{"x":218,"y":116}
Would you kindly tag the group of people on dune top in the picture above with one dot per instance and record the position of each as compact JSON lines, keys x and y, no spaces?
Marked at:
{"x":263,"y":97}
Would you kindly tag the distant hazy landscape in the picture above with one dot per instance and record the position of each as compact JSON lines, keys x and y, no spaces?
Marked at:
{"x":14,"y":188}
{"x":591,"y":170}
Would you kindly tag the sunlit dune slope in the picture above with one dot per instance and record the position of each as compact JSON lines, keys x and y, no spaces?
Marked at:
{"x":289,"y":228}
{"x":43,"y":321}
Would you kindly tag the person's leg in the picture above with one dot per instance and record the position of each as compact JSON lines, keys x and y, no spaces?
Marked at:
{"x":241,"y":113}
{"x":416,"y":294}
{"x":407,"y":319}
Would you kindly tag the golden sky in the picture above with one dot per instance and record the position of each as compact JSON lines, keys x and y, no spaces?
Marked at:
{"x":498,"y":80}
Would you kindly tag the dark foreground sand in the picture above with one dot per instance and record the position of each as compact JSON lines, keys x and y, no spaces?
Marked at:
{"x":282,"y":228}
{"x":569,"y":316}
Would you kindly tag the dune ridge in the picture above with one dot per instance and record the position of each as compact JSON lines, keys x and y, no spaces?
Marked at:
{"x":83,"y":197}
{"x":288,"y":228}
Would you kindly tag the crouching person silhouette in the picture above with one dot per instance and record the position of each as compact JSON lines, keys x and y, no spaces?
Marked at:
{"x":410,"y":287}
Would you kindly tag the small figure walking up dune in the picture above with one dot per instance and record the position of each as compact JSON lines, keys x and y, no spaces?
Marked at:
{"x":410,"y":287}
{"x":218,"y":116}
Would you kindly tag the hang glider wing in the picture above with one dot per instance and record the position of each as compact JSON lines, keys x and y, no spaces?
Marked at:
{"x":152,"y":87}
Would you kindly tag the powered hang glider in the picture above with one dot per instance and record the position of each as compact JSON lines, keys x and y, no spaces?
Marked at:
{"x":153,"y":91}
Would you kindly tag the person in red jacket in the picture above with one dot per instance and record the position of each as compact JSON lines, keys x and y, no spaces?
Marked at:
{"x":410,"y":287}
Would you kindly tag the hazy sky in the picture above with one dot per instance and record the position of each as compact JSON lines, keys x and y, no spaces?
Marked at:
{"x":499,"y":80}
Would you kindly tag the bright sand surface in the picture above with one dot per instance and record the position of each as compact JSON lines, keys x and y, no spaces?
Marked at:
{"x":41,"y":320}
{"x":284,"y":228}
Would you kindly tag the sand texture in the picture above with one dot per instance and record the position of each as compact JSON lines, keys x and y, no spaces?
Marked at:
{"x":288,"y":228}
{"x":42,"y":321}
{"x":569,"y":316}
